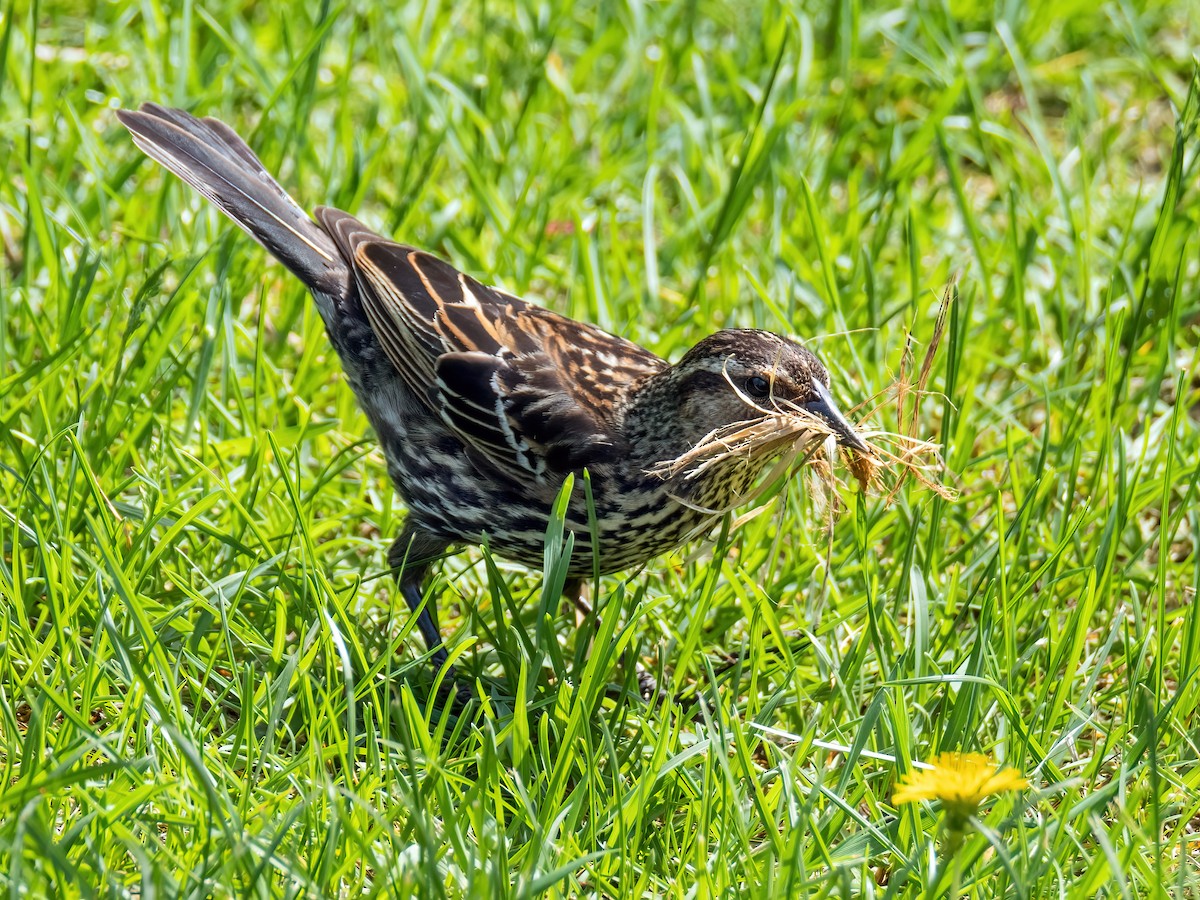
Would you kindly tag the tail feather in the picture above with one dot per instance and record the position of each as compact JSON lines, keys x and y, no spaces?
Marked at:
{"x":209,"y":156}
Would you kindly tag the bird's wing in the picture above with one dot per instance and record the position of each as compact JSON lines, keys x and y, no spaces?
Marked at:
{"x":535,"y":393}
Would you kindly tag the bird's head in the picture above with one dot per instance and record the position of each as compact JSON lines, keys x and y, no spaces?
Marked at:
{"x":722,"y":380}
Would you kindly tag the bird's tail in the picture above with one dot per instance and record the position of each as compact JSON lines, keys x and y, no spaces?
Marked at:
{"x":209,"y":156}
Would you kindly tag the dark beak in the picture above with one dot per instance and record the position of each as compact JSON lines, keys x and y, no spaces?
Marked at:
{"x":824,"y":407}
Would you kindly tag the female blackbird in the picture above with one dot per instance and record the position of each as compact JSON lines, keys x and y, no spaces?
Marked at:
{"x":484,"y":403}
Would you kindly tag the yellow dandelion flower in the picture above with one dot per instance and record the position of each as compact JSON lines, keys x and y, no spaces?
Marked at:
{"x":961,"y":781}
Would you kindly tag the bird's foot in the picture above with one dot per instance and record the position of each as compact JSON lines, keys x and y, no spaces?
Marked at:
{"x":450,"y":687}
{"x":648,"y":685}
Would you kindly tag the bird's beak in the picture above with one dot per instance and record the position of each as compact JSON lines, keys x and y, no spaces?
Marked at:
{"x":824,"y":407}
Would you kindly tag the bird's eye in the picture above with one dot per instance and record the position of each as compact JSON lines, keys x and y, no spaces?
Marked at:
{"x":757,"y":386}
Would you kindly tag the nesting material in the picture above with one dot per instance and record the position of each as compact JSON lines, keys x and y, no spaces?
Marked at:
{"x":794,"y":438}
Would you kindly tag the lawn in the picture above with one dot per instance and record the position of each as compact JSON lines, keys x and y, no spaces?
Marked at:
{"x":208,"y":684}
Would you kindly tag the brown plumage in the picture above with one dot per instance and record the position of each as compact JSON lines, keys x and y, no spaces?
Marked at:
{"x":484,"y":403}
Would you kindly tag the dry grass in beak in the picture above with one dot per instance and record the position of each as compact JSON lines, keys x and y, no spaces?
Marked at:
{"x":793,"y":436}
{"x":796,"y":438}
{"x":885,"y":468}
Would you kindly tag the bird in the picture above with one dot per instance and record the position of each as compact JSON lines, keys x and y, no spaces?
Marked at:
{"x":484,"y":404}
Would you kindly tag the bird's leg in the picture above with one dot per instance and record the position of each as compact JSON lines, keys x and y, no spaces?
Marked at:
{"x":410,"y":557}
{"x":573,"y":590}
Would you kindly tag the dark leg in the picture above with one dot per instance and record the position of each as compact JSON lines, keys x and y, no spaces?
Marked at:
{"x":426,"y":622}
{"x":410,"y":557}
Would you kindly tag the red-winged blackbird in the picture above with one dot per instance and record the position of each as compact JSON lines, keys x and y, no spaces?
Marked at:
{"x":484,"y":403}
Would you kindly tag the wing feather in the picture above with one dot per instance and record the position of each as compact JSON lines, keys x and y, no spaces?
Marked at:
{"x":532,"y":392}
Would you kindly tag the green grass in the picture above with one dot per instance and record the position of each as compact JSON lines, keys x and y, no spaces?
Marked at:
{"x":208,"y":688}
